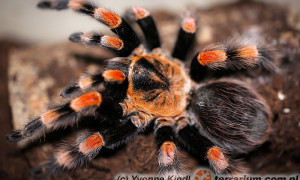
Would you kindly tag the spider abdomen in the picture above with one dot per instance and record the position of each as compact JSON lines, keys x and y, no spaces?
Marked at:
{"x":158,"y":86}
{"x":234,"y":116}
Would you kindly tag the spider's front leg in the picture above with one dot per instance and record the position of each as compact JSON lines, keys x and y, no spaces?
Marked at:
{"x":86,"y":148}
{"x":128,"y":38}
{"x":58,"y":117}
{"x":69,"y":113}
{"x":122,"y":121}
{"x":109,"y":134}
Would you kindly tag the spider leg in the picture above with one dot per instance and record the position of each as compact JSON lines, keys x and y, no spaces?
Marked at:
{"x":147,"y":24}
{"x":108,"y":85}
{"x":58,"y":117}
{"x":118,"y":25}
{"x":236,"y":54}
{"x":86,"y":148}
{"x":96,"y":39}
{"x":201,"y":146}
{"x":58,"y":5}
{"x":186,"y":37}
{"x":167,"y":149}
{"x":96,"y":81}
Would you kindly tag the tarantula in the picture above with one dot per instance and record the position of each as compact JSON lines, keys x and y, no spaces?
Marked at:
{"x":216,"y":120}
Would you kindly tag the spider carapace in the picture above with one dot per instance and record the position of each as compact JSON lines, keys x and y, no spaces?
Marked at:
{"x":158,"y":86}
{"x":215,"y":119}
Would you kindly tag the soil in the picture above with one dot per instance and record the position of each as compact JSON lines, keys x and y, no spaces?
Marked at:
{"x":23,"y":93}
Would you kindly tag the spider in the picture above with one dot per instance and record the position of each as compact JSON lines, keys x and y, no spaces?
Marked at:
{"x":216,"y":120}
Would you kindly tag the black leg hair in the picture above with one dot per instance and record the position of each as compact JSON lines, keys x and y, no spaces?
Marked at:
{"x":235,"y":54}
{"x":118,"y":25}
{"x":129,"y":37}
{"x":71,"y":90}
{"x":58,"y":5}
{"x":167,"y":149}
{"x":83,"y":84}
{"x":95,"y":39}
{"x":198,"y":72}
{"x":70,"y":157}
{"x":199,"y":145}
{"x":185,"y":38}
{"x":110,"y":91}
{"x":109,"y":79}
{"x":147,"y":24}
{"x":59,"y":117}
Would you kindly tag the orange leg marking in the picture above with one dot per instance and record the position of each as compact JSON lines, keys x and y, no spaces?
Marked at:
{"x":108,"y":18}
{"x":89,"y":99}
{"x":189,"y":25}
{"x":64,"y":159}
{"x":168,"y":152}
{"x":210,"y":57}
{"x":248,"y":52}
{"x":140,"y":13}
{"x":86,"y":37}
{"x":76,"y":4}
{"x":114,"y":76}
{"x":85,"y":83}
{"x":50,"y":116}
{"x":92,"y":142}
{"x":214,"y":153}
{"x":112,"y":42}
{"x":216,"y":156}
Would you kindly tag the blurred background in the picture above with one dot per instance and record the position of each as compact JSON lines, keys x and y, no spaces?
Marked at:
{"x":37,"y":61}
{"x":22,"y":21}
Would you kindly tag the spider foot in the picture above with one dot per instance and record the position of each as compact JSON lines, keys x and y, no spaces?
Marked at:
{"x":96,"y":39}
{"x":58,"y":5}
{"x":186,"y":36}
{"x":167,"y":159}
{"x":61,"y":116}
{"x":30,"y":129}
{"x":15,"y":136}
{"x":71,"y":90}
